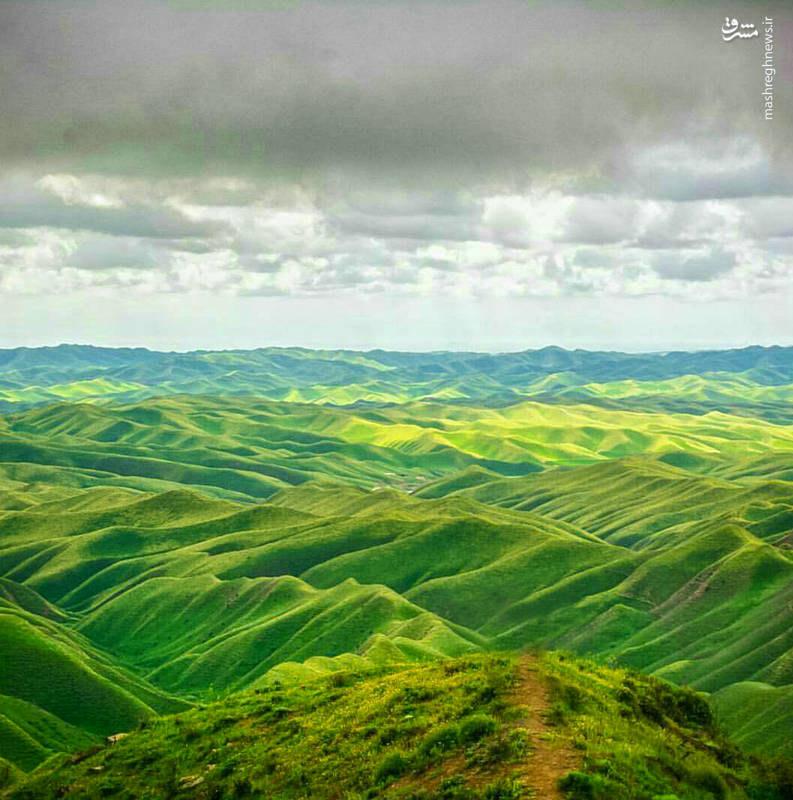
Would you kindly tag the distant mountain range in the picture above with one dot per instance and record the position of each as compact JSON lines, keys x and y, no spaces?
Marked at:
{"x":682,"y":381}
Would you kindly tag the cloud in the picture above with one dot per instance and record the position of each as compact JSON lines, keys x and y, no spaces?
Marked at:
{"x":543,"y":243}
{"x":601,"y":219}
{"x":424,"y":92}
{"x":677,"y":265}
{"x":719,"y":168}
{"x":108,"y":253}
{"x":767,"y":218}
{"x":455,"y":152}
{"x":28,"y":204}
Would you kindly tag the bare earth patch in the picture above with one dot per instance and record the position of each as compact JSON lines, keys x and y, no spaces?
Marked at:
{"x":550,"y":756}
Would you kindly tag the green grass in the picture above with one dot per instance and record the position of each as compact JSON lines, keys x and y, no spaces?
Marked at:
{"x":451,"y":729}
{"x":639,"y":737}
{"x":253,"y":448}
{"x":57,"y":690}
{"x":352,"y":733}
{"x":678,"y":573}
{"x":193,"y":634}
{"x":757,"y":715}
{"x":53,"y":669}
{"x":199,"y":523}
{"x":753,"y":380}
{"x":29,"y":734}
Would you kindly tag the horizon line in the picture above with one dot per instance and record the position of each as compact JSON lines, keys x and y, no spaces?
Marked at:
{"x":552,"y":347}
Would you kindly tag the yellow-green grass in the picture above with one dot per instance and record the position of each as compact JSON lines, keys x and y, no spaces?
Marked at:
{"x":752,"y":380}
{"x":79,"y":391}
{"x":245,"y":447}
{"x":194,"y":592}
{"x":710,"y":386}
{"x":455,"y":729}
{"x":634,"y":502}
{"x":202,"y":544}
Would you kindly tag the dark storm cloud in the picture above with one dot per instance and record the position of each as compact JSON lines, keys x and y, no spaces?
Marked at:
{"x":473,"y":147}
{"x":488,"y":91}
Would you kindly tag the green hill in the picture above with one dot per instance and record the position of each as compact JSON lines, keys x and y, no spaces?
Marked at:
{"x":482,"y":727}
{"x":751,"y":381}
{"x":247,"y":448}
{"x":200,"y":632}
{"x":676,"y":573}
{"x":178,"y":526}
{"x":57,"y":690}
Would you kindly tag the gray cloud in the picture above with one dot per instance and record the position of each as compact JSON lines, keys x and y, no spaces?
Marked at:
{"x":491,"y":91}
{"x":600,"y":220}
{"x":406,"y":218}
{"x":469,"y":150}
{"x":768,"y":217}
{"x":718,"y":168}
{"x":408,"y":226}
{"x":9,"y":238}
{"x":104,"y":253}
{"x":24,"y":204}
{"x":672,"y":265}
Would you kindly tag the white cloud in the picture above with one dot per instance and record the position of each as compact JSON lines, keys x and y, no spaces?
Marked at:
{"x":129,"y":236}
{"x":78,"y":191}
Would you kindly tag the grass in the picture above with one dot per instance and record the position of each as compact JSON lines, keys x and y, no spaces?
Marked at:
{"x":253,"y":448}
{"x":201,"y":523}
{"x":450,"y":729}
{"x":752,"y":380}
{"x":640,"y":737}
{"x":757,"y":715}
{"x":60,"y":673}
{"x":355,"y":734}
{"x":29,"y":734}
{"x":194,"y":595}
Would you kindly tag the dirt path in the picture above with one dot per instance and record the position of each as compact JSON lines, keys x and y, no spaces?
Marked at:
{"x":549,"y":758}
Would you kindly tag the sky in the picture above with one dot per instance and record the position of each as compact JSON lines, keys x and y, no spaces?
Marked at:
{"x":483,"y":174}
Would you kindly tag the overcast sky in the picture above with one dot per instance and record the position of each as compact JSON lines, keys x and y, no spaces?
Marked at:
{"x":412,"y":175}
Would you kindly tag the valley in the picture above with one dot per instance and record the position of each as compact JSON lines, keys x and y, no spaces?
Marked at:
{"x":177,"y":528}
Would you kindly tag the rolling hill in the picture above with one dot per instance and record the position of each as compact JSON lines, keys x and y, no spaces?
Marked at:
{"x":205,"y":535}
{"x":754,"y":381}
{"x":480,"y":728}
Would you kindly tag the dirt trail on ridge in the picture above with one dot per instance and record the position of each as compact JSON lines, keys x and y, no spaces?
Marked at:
{"x":549,"y":758}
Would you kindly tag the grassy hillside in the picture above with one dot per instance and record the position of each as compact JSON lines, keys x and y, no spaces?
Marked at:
{"x":754,"y":381}
{"x":249,"y":449}
{"x":677,"y":573}
{"x":57,"y":690}
{"x":757,"y":715}
{"x":178,"y":526}
{"x":485,"y":727}
{"x":193,"y":634}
